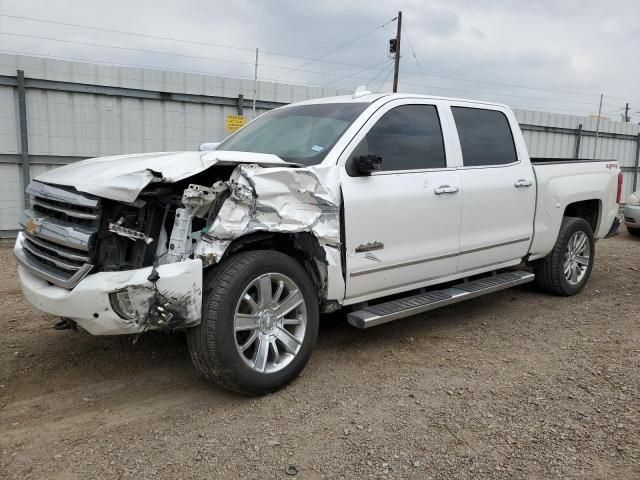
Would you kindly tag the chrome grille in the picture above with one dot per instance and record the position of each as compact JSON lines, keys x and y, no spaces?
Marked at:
{"x":66,"y":212}
{"x":58,"y":240}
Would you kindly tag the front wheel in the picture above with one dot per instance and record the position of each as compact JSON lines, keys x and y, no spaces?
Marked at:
{"x":566,"y":270}
{"x":634,"y":231}
{"x":259,"y":322}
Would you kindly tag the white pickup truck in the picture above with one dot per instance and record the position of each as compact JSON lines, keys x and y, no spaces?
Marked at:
{"x":388,"y":205}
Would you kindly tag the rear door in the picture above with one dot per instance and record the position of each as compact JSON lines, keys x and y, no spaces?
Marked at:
{"x":499,"y":188}
{"x":401,"y":223}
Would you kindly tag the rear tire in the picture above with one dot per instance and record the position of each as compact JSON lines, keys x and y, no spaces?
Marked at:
{"x":243,"y":303}
{"x":566,"y":270}
{"x":634,"y":231}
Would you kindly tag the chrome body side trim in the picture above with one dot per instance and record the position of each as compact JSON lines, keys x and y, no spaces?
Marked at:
{"x":404,"y":264}
{"x":433,"y":259}
{"x":496,"y":245}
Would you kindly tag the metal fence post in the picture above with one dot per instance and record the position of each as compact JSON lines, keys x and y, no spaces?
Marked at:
{"x":635,"y":167}
{"x":24,"y":137}
{"x":240,"y":104}
{"x":576,"y":152}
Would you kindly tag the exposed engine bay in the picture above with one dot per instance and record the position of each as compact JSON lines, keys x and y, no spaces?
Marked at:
{"x":213,"y":214}
{"x":157,"y":226}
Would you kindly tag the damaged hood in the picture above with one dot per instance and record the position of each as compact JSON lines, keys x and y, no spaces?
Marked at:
{"x":123,"y":177}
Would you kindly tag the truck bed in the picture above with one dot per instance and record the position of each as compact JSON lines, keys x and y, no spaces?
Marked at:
{"x":562,"y":181}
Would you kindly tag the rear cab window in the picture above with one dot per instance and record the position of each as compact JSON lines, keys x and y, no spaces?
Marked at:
{"x":485,"y":137}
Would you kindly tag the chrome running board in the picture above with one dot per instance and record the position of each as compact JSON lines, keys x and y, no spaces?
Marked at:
{"x":423,"y":302}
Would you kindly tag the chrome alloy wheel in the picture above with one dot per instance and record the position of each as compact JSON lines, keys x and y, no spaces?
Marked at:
{"x":576,"y":257}
{"x":270,"y":322}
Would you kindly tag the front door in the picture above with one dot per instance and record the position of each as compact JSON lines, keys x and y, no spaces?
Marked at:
{"x":402,"y":223}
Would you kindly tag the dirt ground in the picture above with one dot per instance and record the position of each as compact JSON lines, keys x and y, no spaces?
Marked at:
{"x":514,"y":385}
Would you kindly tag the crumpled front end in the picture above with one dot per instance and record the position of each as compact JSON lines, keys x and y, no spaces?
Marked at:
{"x":272,"y":200}
{"x":145,"y":256}
{"x":277,"y":200}
{"x":124,"y":302}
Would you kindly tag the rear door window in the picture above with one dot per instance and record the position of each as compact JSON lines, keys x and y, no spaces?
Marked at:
{"x":485,"y":137}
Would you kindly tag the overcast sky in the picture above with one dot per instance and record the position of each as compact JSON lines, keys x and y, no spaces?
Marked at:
{"x":566,"y":51}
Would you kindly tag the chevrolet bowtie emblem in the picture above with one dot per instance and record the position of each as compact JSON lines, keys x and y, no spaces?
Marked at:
{"x":32,"y":227}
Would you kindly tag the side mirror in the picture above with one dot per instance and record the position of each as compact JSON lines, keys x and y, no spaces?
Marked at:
{"x":365,"y":164}
{"x":207,"y":147}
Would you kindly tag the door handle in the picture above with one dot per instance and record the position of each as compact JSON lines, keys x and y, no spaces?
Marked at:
{"x":523,"y":183}
{"x":445,"y":189}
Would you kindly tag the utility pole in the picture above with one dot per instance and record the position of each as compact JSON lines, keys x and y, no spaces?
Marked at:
{"x":595,"y":143}
{"x":626,"y":113}
{"x":255,"y":85}
{"x":397,"y":52}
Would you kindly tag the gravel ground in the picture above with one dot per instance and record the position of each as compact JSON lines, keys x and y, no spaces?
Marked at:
{"x":514,"y":385}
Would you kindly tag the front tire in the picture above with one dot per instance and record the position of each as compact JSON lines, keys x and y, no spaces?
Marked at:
{"x":566,"y":270}
{"x":634,"y":231}
{"x":259,"y":323}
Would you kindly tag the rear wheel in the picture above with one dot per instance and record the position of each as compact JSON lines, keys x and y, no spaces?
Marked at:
{"x":634,"y":231}
{"x":566,"y":270}
{"x":259,"y":323}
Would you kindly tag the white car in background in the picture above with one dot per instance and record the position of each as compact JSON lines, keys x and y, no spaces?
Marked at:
{"x":632,"y":214}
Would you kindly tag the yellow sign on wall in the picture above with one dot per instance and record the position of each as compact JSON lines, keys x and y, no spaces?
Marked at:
{"x":234,"y":122}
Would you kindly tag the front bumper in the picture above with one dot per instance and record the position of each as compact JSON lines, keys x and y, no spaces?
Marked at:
{"x":632,"y":216}
{"x":88,"y":303}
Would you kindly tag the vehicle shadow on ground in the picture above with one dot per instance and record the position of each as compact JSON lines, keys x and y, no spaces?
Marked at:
{"x":161,"y":360}
{"x":336,"y":332}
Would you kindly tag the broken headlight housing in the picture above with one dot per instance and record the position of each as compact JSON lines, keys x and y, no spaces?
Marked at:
{"x":123,"y":306}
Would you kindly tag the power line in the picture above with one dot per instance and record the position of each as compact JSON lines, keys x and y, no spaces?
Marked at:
{"x":354,"y":76}
{"x":341,"y":76}
{"x":119,"y":64}
{"x":336,"y":48}
{"x":532,"y":107}
{"x":314,"y":59}
{"x":385,"y":78}
{"x":484,"y":92}
{"x":355,"y":73}
{"x":200,"y":72}
{"x":426,"y":82}
{"x":122,"y":32}
{"x":377,"y":75}
{"x":178,"y":40}
{"x":142,"y":50}
{"x":197,"y":57}
{"x":575,"y":112}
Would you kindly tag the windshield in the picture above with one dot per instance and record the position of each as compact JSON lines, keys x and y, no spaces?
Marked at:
{"x":302,"y":134}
